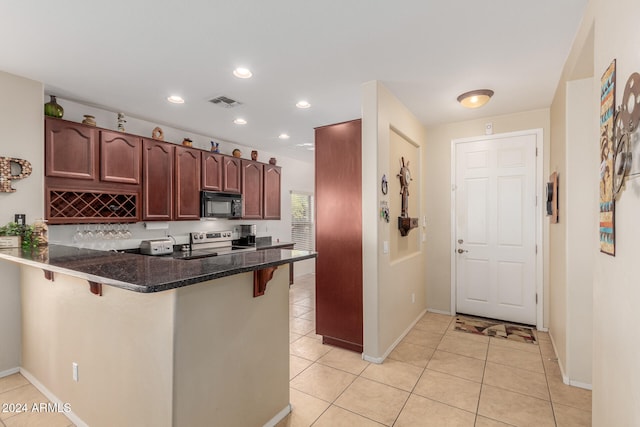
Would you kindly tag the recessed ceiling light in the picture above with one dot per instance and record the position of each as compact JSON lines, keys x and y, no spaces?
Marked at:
{"x":303,"y":104}
{"x":242,"y":73}
{"x":175,"y":99}
{"x":240,"y":121}
{"x":283,"y":136}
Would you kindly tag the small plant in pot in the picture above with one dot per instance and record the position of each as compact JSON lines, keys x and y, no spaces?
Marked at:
{"x":18,"y":235}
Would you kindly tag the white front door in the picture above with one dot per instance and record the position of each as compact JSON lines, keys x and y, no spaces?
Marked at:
{"x":495,"y":227}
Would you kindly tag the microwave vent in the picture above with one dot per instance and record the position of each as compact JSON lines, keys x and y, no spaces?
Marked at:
{"x":224,"y":101}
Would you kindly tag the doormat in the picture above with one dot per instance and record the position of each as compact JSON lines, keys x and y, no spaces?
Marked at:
{"x":495,"y":328}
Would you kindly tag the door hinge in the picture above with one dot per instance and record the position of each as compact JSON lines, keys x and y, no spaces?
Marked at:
{"x":536,"y":151}
{"x":536,"y":249}
{"x":536,"y":298}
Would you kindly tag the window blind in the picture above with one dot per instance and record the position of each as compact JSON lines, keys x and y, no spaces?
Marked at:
{"x":302,"y":229}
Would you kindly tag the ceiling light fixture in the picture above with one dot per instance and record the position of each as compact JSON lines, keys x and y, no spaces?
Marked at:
{"x":242,"y":73}
{"x":240,"y":121}
{"x":283,"y":136}
{"x":175,"y":99}
{"x":303,"y":104}
{"x":475,"y":98}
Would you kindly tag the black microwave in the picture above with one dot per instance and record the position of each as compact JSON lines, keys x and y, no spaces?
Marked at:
{"x":220,"y":205}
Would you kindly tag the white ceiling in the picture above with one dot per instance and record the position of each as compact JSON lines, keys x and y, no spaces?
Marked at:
{"x":129,"y":55}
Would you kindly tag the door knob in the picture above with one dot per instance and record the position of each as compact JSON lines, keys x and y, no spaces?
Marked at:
{"x":461,"y":251}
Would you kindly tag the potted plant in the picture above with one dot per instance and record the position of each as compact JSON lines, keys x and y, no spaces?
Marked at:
{"x":14,"y":235}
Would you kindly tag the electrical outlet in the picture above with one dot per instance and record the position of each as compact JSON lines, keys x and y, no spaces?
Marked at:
{"x":413,"y":298}
{"x":75,"y":371}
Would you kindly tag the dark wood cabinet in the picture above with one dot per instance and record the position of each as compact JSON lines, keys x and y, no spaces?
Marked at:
{"x":252,"y":191}
{"x":271,"y":196}
{"x":157,"y":183}
{"x":212,"y":165}
{"x":70,"y":150}
{"x":338,"y":183}
{"x":187,"y":183}
{"x":231,"y":173}
{"x":120,"y":157}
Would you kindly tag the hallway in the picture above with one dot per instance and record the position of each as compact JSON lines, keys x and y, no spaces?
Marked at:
{"x":436,"y":376}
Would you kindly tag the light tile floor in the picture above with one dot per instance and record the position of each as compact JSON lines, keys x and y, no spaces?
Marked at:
{"x":436,"y":376}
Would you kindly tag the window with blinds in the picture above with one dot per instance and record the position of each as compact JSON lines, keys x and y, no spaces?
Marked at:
{"x":302,"y":220}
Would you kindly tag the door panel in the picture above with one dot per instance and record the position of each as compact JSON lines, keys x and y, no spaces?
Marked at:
{"x":495,"y":228}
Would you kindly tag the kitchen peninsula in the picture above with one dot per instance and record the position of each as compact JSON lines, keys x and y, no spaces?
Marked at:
{"x":158,"y":341}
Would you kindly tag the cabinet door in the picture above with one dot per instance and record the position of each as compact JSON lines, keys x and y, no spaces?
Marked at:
{"x":120,"y":157}
{"x":157,"y":183}
{"x":252,"y":189}
{"x":70,"y":150}
{"x":187,"y":183}
{"x":231,"y":171}
{"x":212,"y":165}
{"x":271,"y":196}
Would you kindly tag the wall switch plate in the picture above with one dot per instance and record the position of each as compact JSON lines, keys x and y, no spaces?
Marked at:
{"x":75,"y":371}
{"x":385,"y":247}
{"x":413,"y":298}
{"x":424,"y":237}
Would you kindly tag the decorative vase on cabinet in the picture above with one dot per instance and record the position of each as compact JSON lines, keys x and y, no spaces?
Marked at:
{"x":53,"y":109}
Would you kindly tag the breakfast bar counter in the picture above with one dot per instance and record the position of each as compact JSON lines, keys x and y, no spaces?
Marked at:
{"x":192,"y":345}
{"x":146,"y":274}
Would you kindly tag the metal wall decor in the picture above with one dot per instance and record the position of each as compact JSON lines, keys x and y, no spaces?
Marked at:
{"x":405,"y":223}
{"x":625,"y":123}
{"x":6,"y":176}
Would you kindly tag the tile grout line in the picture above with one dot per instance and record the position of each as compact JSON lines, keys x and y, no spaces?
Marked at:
{"x":546,"y":379}
{"x":486,"y":358}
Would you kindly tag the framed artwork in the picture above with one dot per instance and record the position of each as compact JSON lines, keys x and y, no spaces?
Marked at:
{"x":552,"y":198}
{"x":607,"y":201}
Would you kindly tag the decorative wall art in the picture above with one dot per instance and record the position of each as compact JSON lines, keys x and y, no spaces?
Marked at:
{"x":625,"y":124}
{"x":6,"y":176}
{"x":405,"y":223}
{"x":607,"y":202}
{"x":552,"y":198}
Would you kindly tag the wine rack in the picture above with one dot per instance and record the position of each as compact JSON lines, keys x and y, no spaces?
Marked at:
{"x":66,"y":207}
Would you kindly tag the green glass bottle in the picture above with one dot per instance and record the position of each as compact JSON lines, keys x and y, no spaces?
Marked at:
{"x":53,"y":109}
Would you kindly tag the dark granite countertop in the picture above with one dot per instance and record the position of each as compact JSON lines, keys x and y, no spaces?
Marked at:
{"x":260,"y":245}
{"x":141,"y":273}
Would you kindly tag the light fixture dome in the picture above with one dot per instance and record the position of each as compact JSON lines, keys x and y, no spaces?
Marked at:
{"x":475,"y":98}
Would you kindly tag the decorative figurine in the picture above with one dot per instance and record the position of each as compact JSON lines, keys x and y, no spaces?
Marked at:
{"x":236,"y":153}
{"x":215,"y":147}
{"x":157,"y":133}
{"x":405,"y":223}
{"x":121,"y":122}
{"x":254,"y":155}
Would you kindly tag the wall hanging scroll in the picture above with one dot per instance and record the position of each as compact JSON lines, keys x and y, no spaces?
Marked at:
{"x":405,"y":223}
{"x":607,"y":202}
{"x":6,"y":176}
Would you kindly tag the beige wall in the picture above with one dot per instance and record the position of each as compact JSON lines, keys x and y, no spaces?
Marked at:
{"x":616,"y":376}
{"x":437,"y":176}
{"x":183,"y":357}
{"x":389,"y":284}
{"x":21,"y":136}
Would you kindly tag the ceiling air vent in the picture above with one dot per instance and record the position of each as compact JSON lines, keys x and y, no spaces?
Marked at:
{"x":225,"y":102}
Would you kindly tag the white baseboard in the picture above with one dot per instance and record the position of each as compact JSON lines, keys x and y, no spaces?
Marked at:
{"x":565,"y":377}
{"x":52,"y":397}
{"x":9,"y":372}
{"x":279,"y":417}
{"x":433,"y":310}
{"x":379,"y":360}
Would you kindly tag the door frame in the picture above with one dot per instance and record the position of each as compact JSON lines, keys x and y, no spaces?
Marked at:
{"x":539,"y":280}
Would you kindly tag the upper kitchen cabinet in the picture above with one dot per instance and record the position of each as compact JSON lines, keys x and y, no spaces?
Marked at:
{"x":271,"y":197}
{"x":187,"y":183}
{"x":120,"y":157}
{"x":157,"y":183}
{"x":70,"y":150}
{"x":231,"y":172}
{"x":252,"y":190}
{"x":212,"y":164}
